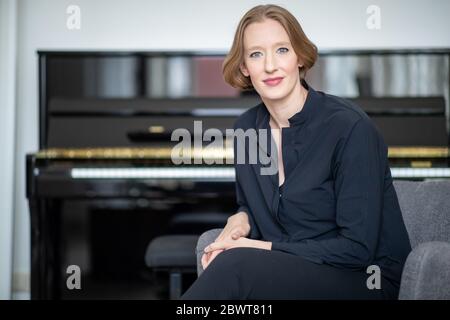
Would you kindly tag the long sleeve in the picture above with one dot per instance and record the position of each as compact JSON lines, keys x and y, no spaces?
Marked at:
{"x":358,"y":183}
{"x":241,"y":199}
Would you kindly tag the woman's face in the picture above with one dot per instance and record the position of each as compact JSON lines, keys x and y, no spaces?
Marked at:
{"x":268,"y":54}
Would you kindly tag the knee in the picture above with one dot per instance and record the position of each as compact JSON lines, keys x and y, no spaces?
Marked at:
{"x":238,"y":261}
{"x":232,"y":272}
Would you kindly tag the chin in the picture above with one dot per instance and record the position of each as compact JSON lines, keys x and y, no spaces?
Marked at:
{"x":274,"y":95}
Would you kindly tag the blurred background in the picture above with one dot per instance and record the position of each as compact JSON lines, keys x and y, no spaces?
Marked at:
{"x":90,"y":92}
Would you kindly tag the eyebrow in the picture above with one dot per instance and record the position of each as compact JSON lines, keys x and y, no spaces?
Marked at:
{"x":276,"y":44}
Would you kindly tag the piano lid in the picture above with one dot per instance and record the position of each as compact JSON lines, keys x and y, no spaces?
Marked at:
{"x":136,"y":99}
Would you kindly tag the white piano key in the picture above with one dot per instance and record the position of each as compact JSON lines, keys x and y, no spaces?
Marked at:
{"x":226,"y":174}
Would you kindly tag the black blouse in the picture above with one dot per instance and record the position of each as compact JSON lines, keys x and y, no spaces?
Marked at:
{"x":337,"y":204}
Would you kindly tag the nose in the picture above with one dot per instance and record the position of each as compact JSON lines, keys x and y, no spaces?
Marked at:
{"x":270,"y":63}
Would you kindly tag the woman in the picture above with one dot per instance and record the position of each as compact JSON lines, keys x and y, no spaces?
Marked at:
{"x":328,"y":224}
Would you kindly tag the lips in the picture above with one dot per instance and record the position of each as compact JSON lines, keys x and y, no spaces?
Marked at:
{"x":273,"y":81}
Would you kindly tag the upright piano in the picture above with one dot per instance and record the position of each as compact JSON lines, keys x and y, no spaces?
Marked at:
{"x":104,"y":171}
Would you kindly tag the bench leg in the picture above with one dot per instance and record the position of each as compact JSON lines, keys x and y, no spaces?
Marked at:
{"x":175,"y":285}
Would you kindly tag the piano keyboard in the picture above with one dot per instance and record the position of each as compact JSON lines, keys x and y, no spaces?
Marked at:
{"x":218,"y":174}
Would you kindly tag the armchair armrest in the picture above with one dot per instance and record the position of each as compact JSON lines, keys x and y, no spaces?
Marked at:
{"x":205,"y":239}
{"x":426,"y":274}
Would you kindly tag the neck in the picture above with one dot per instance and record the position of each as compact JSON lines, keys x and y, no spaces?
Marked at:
{"x":283,"y":109}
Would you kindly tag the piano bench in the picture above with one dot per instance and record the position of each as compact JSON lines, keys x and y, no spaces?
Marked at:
{"x":174,"y":254}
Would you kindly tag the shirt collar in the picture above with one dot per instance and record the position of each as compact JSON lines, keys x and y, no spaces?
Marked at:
{"x":263,"y":115}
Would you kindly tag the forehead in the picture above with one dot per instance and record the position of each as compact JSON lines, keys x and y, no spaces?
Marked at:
{"x":265,"y":34}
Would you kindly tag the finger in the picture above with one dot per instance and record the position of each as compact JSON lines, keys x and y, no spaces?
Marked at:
{"x":236,"y":235}
{"x":215,"y":254}
{"x":220,"y":237}
{"x":238,"y":232}
{"x":205,"y":260}
{"x":215,"y":246}
{"x":212,"y":256}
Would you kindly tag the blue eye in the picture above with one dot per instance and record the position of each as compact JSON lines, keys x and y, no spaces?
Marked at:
{"x":252,"y":55}
{"x":284,"y":50}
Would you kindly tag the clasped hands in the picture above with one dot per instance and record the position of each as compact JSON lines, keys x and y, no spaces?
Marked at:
{"x":233,"y":235}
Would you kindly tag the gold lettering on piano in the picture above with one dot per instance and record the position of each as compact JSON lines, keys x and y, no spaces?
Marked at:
{"x":225,"y":153}
{"x":128,"y":153}
{"x":156,"y":129}
{"x":418,"y":152}
{"x":421,"y":164}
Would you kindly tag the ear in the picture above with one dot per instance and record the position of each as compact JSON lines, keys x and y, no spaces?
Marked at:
{"x":244,"y":70}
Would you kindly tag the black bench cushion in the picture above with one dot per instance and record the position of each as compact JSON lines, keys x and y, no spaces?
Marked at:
{"x":172,"y":251}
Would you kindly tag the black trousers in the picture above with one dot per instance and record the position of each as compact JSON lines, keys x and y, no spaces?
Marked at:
{"x":250,"y":273}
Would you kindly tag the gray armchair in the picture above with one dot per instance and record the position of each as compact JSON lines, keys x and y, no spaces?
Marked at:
{"x":426,"y":211}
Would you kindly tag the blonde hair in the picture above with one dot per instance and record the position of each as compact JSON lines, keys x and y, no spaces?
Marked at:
{"x":303,"y":47}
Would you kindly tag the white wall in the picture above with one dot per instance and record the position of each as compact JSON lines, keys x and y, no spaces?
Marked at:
{"x":7,"y":103}
{"x":189,"y":25}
